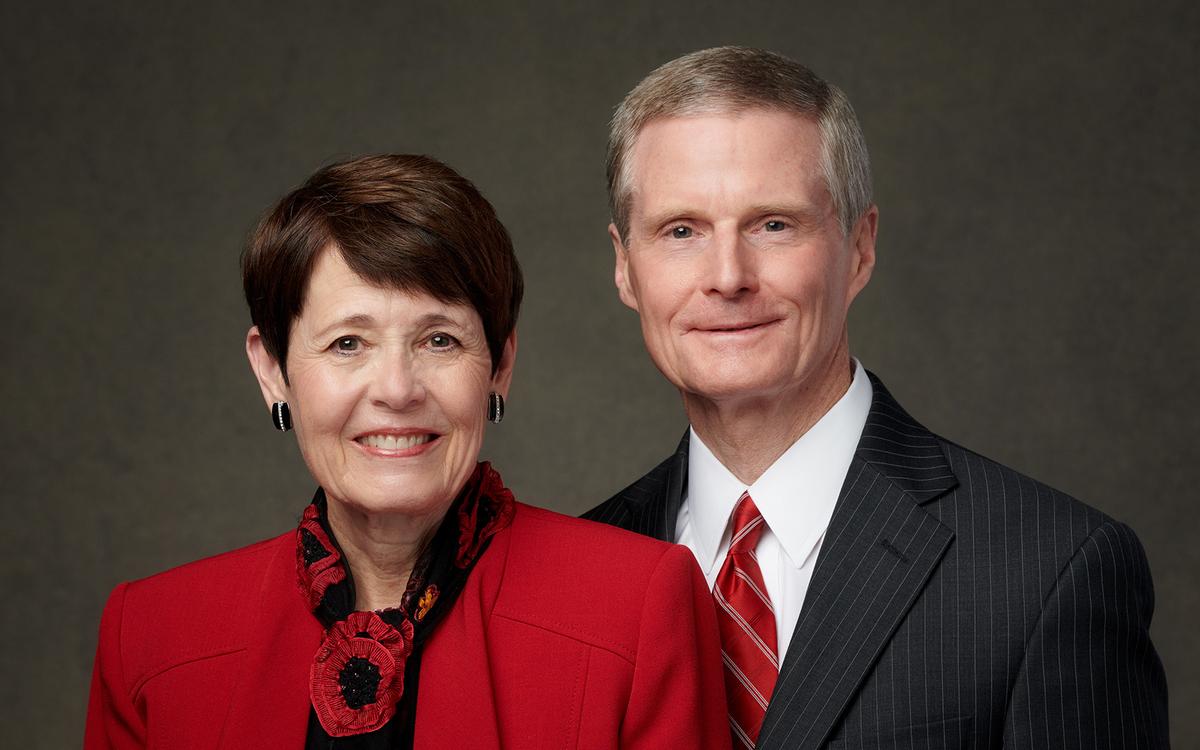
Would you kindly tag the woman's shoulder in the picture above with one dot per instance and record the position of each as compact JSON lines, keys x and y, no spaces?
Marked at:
{"x":594,"y":537}
{"x":217,"y":576}
{"x":591,"y":549}
{"x":192,"y":610}
{"x":591,"y":581}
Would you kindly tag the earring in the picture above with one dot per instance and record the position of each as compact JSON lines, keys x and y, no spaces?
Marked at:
{"x":281,"y":415}
{"x":495,"y":411}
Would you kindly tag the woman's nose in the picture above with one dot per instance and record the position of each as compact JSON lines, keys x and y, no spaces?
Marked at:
{"x":395,"y":381}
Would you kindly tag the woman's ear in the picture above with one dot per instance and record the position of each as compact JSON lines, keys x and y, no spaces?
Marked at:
{"x":502,"y":378}
{"x":266,"y":368}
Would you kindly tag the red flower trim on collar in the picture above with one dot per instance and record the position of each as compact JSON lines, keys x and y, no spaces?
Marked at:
{"x":357,"y":676}
{"x":486,"y":500}
{"x":317,"y":558}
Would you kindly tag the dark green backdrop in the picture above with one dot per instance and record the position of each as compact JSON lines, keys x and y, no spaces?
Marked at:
{"x":1034,"y":300}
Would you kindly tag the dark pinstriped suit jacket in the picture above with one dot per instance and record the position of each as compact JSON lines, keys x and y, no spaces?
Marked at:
{"x":955,"y":603}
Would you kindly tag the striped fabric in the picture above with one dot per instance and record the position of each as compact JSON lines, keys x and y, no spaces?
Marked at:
{"x":747,"y":623}
{"x":955,"y":604}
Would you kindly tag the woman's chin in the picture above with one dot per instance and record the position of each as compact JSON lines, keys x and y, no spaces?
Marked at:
{"x":388,"y":501}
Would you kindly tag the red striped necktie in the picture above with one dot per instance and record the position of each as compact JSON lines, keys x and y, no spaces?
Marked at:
{"x":747,"y":624}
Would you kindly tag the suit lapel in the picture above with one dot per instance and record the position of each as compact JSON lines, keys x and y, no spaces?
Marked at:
{"x":270,"y":704}
{"x":879,"y":551}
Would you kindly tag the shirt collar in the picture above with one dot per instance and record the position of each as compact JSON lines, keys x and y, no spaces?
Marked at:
{"x":796,"y":495}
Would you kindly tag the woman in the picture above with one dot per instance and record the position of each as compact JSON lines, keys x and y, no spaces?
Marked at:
{"x":417,"y":604}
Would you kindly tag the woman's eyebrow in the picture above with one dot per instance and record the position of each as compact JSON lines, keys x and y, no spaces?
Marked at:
{"x":363,"y":320}
{"x":438,"y":318}
{"x":357,"y":320}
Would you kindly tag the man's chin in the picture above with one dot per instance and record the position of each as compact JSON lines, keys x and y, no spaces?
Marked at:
{"x":730,"y":389}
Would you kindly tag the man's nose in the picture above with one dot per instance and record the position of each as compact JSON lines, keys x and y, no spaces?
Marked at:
{"x":732,"y":264}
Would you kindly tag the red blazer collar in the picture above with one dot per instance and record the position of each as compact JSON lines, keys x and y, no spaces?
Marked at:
{"x":270,"y":705}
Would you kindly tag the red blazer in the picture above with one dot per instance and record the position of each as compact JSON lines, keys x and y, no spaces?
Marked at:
{"x":568,"y":634}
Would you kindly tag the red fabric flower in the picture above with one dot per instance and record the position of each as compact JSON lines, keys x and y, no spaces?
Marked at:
{"x":487,"y":507}
{"x":358,"y":674}
{"x":317,"y":558}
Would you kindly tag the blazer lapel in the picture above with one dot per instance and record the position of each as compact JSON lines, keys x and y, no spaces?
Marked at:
{"x":270,"y":704}
{"x":456,"y":704}
{"x":879,"y":551}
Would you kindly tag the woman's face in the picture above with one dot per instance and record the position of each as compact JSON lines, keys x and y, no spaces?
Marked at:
{"x":388,"y":391}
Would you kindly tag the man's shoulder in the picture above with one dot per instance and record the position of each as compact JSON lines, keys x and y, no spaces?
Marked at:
{"x":969,"y":490}
{"x":998,"y":488}
{"x":619,"y":509}
{"x":1003,"y":517}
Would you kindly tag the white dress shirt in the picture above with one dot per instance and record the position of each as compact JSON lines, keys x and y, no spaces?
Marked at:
{"x":796,"y":496}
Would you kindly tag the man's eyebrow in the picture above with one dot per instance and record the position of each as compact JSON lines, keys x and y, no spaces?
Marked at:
{"x":803,"y":211}
{"x":658,"y":218}
{"x":806,"y":212}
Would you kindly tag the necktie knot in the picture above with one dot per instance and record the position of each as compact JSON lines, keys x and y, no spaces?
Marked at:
{"x":748,"y":526}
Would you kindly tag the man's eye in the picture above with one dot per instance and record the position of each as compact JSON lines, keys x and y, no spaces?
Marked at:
{"x":347,"y":344}
{"x":774,"y":226}
{"x":681,"y":232}
{"x":442,"y":341}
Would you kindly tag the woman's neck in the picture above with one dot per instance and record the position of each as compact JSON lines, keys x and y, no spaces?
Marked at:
{"x":380,"y":550}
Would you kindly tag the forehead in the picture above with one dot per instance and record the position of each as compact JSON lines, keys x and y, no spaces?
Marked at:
{"x":758,"y":154}
{"x":336,"y":292}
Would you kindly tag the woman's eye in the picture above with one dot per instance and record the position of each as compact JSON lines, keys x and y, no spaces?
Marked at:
{"x":774,"y":226}
{"x":681,"y":232}
{"x":347,"y":344}
{"x":442,"y":341}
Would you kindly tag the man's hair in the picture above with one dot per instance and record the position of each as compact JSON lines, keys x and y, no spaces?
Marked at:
{"x":398,"y":221}
{"x":731,"y":80}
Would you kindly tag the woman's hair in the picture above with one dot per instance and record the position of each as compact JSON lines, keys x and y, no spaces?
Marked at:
{"x":400,"y":221}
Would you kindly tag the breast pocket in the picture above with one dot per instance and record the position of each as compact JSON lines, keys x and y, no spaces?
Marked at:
{"x":947,"y":734}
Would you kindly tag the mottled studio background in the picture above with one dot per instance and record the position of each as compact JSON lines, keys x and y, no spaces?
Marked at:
{"x":1035,"y":299}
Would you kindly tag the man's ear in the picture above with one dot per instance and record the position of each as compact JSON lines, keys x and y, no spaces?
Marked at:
{"x":862,"y":252}
{"x":266,"y":369}
{"x":502,"y":378}
{"x":621,"y":273}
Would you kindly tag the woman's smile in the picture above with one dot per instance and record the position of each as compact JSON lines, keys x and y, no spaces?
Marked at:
{"x":397,"y":445}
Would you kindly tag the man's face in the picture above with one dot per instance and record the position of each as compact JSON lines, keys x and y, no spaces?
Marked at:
{"x":735,"y":259}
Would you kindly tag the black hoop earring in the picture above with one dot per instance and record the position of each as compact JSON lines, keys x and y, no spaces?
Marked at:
{"x":281,"y":415}
{"x":495,"y":411}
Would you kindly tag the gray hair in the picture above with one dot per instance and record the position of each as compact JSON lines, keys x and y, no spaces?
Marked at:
{"x":731,"y":80}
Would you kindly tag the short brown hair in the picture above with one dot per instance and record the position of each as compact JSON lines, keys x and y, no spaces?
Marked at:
{"x":732,"y":80}
{"x":400,"y":221}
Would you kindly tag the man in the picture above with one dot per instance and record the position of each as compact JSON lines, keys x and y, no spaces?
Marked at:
{"x":876,"y":585}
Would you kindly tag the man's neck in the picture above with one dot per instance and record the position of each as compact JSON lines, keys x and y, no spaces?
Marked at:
{"x":747,"y":435}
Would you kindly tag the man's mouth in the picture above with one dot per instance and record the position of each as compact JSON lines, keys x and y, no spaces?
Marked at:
{"x":735,"y":327}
